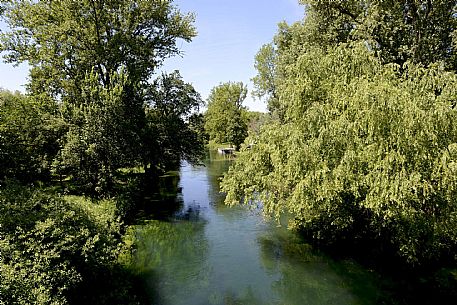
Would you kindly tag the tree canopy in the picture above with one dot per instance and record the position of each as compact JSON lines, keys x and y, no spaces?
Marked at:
{"x":224,"y":121}
{"x":95,"y":62}
{"x":171,"y":104}
{"x":264,"y":81}
{"x":64,"y":40}
{"x":365,"y":147}
{"x":420,"y":31}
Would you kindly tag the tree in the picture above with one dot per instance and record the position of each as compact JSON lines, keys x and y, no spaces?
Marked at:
{"x":169,"y":137}
{"x":29,"y":134}
{"x":422,"y":32}
{"x":64,"y":40}
{"x":415,"y":30}
{"x":224,"y":121}
{"x":95,"y":59}
{"x":366,"y":149}
{"x":264,"y":81}
{"x":98,"y":138}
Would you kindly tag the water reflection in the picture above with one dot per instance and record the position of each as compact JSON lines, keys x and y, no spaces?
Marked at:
{"x":208,"y":253}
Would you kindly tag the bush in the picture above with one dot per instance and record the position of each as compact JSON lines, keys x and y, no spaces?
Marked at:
{"x":59,"y":250}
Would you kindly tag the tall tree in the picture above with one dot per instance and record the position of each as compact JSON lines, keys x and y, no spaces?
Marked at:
{"x":95,"y":59}
{"x":224,"y":120}
{"x":99,"y":134}
{"x":64,"y":40}
{"x":422,"y":32}
{"x":366,"y":148}
{"x":171,"y":103}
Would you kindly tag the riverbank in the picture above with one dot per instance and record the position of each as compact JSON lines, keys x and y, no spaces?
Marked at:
{"x":184,"y":246}
{"x":62,"y":250}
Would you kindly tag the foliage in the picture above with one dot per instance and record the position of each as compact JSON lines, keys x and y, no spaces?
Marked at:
{"x":90,"y":110}
{"x":224,"y":120}
{"x":100,"y":138}
{"x":367,"y":151}
{"x":59,"y":250}
{"x":255,"y":120}
{"x":361,"y":142}
{"x":169,"y":137}
{"x":29,"y":132}
{"x":65,"y":40}
{"x":422,"y":32}
{"x":264,"y":81}
{"x":408,"y":30}
{"x":94,"y":60}
{"x":197,"y":125}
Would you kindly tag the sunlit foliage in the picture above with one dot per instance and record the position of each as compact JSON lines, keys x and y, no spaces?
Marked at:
{"x":365,"y":148}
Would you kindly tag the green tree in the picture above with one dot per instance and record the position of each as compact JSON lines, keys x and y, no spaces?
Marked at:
{"x":264,"y":81}
{"x":29,"y":133}
{"x":97,"y":140}
{"x":420,"y":31}
{"x":95,"y":59}
{"x":366,"y":147}
{"x":416,"y":30}
{"x":64,"y":40}
{"x":224,"y":120}
{"x":171,"y":103}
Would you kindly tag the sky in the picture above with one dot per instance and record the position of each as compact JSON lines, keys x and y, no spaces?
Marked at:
{"x":230,"y":32}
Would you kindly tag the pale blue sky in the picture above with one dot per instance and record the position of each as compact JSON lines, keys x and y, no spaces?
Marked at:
{"x":230,"y":32}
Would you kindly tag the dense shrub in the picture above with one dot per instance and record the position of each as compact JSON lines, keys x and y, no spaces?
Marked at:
{"x":59,"y":250}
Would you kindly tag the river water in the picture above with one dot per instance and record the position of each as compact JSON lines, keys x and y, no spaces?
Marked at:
{"x":208,"y":253}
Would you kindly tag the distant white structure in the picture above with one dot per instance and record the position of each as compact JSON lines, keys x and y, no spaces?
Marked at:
{"x":226,"y":151}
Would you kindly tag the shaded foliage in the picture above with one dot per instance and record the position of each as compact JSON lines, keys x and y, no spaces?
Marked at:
{"x":60,"y":251}
{"x":29,"y":133}
{"x":169,"y":136}
{"x":99,"y":137}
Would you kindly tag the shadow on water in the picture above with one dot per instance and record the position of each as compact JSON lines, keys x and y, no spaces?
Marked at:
{"x":315,"y":276}
{"x":310,"y":277}
{"x":140,"y":199}
{"x":172,"y":254}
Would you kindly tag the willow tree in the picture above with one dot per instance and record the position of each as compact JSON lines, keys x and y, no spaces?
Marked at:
{"x":366,"y":149}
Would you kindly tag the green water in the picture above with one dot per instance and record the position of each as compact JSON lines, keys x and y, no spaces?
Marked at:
{"x":207,"y":253}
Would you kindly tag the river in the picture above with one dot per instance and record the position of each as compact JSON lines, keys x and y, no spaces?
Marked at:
{"x":208,"y":253}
